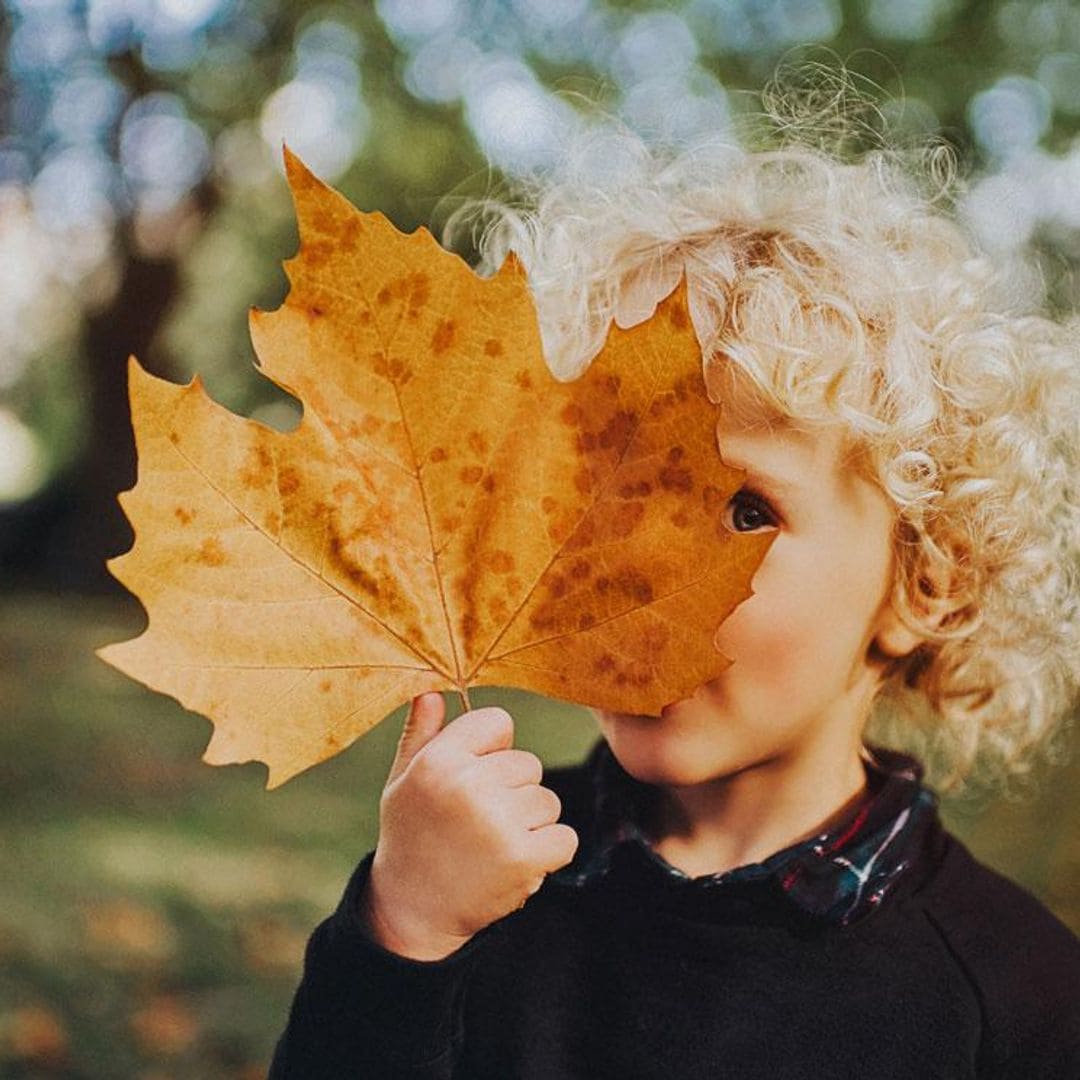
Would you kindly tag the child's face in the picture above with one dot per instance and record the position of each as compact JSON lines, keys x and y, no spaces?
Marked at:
{"x":802,"y":679}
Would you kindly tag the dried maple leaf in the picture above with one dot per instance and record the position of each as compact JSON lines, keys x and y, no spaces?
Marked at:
{"x":447,"y":514}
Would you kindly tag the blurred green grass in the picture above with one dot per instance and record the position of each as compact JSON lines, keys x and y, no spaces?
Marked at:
{"x":153,"y":910}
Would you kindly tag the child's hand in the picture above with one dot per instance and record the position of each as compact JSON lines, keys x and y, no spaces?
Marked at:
{"x":466,"y":832}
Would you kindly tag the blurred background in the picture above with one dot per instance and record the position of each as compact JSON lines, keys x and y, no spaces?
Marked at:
{"x":153,"y":910}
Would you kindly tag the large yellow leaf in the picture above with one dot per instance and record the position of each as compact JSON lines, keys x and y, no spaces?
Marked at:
{"x":447,"y":514}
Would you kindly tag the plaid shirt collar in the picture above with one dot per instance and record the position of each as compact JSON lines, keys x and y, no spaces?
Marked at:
{"x":839,"y":876}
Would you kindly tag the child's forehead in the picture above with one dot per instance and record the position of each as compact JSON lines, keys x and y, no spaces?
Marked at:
{"x":749,"y":428}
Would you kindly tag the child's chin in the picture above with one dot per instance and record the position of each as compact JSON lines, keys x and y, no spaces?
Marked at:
{"x":650,"y":751}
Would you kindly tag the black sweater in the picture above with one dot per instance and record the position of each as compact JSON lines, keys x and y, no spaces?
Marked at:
{"x":958,"y":973}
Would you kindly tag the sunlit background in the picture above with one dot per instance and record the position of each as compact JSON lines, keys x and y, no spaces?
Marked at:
{"x":153,"y":910}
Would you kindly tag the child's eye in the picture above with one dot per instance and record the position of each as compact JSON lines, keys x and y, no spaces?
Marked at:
{"x":747,"y":511}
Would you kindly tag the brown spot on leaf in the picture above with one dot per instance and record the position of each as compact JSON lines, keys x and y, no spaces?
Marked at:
{"x":324,"y":686}
{"x":391,"y":367}
{"x":184,"y":516}
{"x":571,"y":414}
{"x":377,"y":583}
{"x":673,"y":479}
{"x":356,"y":574}
{"x":612,"y":383}
{"x":470,"y":474}
{"x":316,"y":311}
{"x":679,"y":318}
{"x":437,"y":454}
{"x":443,"y":337}
{"x":583,"y":535}
{"x":634,"y":584}
{"x":602,"y":584}
{"x":580,"y":569}
{"x":618,"y":430}
{"x":712,"y":497}
{"x":259,"y":468}
{"x":680,"y":519}
{"x":557,"y":587}
{"x":586,"y":442}
{"x":500,"y":562}
{"x":477,"y":443}
{"x":548,"y":504}
{"x":585,"y":620}
{"x":419,"y":289}
{"x":364,"y":317}
{"x":583,"y":481}
{"x":625,"y":518}
{"x":493,"y":347}
{"x":524,"y":380}
{"x":349,"y":233}
{"x":288,"y":480}
{"x":211,"y":553}
{"x":488,"y":483}
{"x":604,"y":664}
{"x":174,"y":438}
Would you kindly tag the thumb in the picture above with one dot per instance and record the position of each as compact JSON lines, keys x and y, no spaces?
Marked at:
{"x":425,"y":719}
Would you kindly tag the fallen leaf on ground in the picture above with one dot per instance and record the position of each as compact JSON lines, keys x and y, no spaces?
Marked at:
{"x":446,"y":515}
{"x":164,"y":1025}
{"x":124,"y":932}
{"x":34,"y":1033}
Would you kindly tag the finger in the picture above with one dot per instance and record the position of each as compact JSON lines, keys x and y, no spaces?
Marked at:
{"x":514,"y":768}
{"x":536,"y":806}
{"x":481,"y":731}
{"x":553,"y":846}
{"x":424,"y":721}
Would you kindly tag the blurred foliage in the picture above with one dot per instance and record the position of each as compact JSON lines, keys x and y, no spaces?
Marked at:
{"x":151,"y":129}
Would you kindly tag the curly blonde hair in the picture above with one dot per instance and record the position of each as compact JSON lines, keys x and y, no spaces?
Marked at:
{"x":848,"y":289}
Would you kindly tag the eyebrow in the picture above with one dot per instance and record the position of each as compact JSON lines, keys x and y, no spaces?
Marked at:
{"x":771,"y":481}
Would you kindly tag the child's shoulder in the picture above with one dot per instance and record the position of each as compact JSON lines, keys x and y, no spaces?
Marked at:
{"x":974,"y":903}
{"x":1021,"y":959}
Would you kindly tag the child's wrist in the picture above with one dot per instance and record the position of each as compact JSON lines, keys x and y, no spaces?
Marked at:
{"x":396,"y":936}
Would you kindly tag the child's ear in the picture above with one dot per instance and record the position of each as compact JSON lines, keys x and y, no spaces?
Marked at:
{"x":893,"y":639}
{"x":933,"y":602}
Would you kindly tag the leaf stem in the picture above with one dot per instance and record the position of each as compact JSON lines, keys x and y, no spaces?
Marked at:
{"x":464,"y":695}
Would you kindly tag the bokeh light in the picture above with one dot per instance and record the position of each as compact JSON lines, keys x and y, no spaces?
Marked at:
{"x":518,"y":123}
{"x":320,"y":112}
{"x":1011,"y":116}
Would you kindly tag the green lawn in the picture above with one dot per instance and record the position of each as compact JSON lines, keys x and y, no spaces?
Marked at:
{"x":153,"y":910}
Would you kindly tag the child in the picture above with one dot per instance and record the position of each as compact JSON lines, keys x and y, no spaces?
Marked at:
{"x":745,"y":886}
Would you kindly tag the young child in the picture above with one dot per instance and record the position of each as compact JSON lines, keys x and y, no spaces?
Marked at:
{"x":747,"y":886}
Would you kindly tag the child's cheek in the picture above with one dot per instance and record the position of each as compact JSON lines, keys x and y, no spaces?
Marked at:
{"x":775,"y":637}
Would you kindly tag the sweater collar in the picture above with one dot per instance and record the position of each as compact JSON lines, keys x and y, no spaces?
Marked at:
{"x":839,"y":876}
